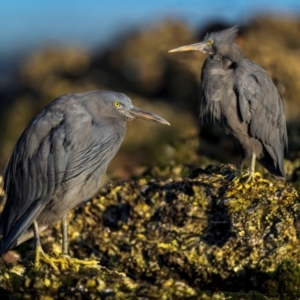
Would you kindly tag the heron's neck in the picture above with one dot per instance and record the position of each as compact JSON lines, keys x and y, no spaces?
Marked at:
{"x":235,"y":54}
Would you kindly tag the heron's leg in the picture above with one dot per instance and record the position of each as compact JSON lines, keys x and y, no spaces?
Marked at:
{"x":39,"y":252}
{"x":238,"y":176}
{"x":64,"y":259}
{"x":243,"y":177}
{"x":64,"y":225}
{"x":239,"y":170}
{"x":252,"y":169}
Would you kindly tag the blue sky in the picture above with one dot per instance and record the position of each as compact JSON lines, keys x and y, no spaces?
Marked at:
{"x":30,"y":23}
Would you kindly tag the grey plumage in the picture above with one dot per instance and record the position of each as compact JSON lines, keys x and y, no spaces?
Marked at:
{"x":61,"y":157}
{"x":239,"y":94}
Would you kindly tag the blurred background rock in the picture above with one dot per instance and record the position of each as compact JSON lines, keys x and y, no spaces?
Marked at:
{"x":48,"y":49}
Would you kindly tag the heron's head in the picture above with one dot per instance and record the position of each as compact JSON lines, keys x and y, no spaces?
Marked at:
{"x":119,"y":106}
{"x":220,"y":42}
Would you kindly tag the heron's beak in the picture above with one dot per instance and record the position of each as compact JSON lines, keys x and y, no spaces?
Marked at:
{"x":203,"y":47}
{"x":142,"y":114}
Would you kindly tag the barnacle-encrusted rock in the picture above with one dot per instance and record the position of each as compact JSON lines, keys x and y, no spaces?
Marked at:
{"x":177,"y":238}
{"x":202,"y":228}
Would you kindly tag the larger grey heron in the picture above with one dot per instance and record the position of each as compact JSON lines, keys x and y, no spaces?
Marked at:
{"x":58,"y":163}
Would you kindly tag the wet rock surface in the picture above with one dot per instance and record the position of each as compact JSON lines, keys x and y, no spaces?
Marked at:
{"x":176,"y":239}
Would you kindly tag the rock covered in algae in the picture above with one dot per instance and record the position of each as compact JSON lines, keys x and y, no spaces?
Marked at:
{"x":174,"y":239}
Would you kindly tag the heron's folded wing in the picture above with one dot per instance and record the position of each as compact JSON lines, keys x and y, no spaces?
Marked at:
{"x":258,"y":94}
{"x":38,"y":166}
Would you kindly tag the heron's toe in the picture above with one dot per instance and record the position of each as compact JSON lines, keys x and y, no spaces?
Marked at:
{"x":40,"y":255}
{"x":65,"y":262}
{"x":239,"y":177}
{"x":59,"y":261}
{"x":245,"y":178}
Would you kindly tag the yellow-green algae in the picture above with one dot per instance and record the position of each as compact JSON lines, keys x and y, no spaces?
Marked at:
{"x":176,"y":239}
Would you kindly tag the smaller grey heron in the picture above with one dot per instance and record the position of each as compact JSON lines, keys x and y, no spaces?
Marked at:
{"x":241,"y":96}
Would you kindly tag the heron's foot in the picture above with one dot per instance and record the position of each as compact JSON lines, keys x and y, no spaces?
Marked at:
{"x":40,"y":255}
{"x":250,"y":176}
{"x":246,"y":177}
{"x":60,"y":261}
{"x":65,"y":262}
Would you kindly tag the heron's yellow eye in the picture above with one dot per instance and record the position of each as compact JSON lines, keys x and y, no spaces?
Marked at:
{"x":117,"y":104}
{"x":210,"y":42}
